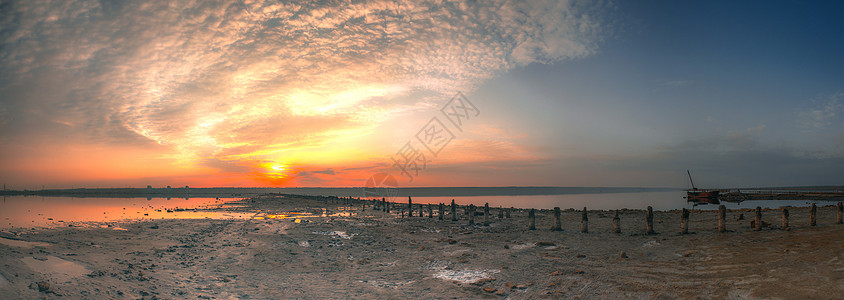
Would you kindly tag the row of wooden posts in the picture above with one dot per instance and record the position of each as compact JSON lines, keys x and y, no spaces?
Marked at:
{"x":469,"y":210}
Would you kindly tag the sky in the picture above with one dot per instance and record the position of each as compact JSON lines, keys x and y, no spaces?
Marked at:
{"x":425,"y":93}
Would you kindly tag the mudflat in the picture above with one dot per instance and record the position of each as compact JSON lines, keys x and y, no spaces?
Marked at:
{"x":312,"y":247}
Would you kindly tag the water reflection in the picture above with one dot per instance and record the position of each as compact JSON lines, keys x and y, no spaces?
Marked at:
{"x":608,"y":201}
{"x":22,"y":211}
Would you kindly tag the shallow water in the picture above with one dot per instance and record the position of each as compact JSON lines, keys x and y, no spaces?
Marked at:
{"x":607,"y":201}
{"x":37,"y":211}
{"x":48,"y":212}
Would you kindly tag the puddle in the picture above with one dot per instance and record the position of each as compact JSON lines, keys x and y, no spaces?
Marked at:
{"x":465,"y":276}
{"x":59,"y":269}
{"x":22,"y":244}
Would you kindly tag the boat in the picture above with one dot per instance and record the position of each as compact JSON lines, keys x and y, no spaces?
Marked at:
{"x":701,"y":196}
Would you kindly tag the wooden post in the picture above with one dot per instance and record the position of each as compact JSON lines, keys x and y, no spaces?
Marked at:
{"x":402,"y":213}
{"x":387,"y":206}
{"x":532,"y":219}
{"x":616,"y":226}
{"x":507,"y":213}
{"x":442,"y":211}
{"x":813,"y":220}
{"x":722,"y":218}
{"x":500,"y":213}
{"x":758,"y":219}
{"x":684,"y":221}
{"x":471,"y":214}
{"x":421,"y":211}
{"x":409,"y":207}
{"x":650,"y":221}
{"x":584,"y":222}
{"x":784,"y":218}
{"x":840,"y":213}
{"x":430,"y":211}
{"x":453,"y":211}
{"x":486,"y":214}
{"x":558,"y":226}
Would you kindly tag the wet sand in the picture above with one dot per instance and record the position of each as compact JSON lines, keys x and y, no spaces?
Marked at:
{"x":331,"y":252}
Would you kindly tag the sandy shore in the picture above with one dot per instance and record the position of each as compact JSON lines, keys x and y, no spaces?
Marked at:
{"x":332,"y":252}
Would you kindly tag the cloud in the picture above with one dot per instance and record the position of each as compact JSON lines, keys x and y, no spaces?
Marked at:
{"x":822,"y":114}
{"x":226,"y":80}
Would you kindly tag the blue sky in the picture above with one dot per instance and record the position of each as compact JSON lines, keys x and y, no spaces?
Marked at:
{"x":571,"y":93}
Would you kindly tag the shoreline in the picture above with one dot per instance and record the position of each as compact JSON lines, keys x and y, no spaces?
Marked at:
{"x":312,"y":247}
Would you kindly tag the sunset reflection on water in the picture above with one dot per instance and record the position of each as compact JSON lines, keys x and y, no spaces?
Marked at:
{"x":36,"y":211}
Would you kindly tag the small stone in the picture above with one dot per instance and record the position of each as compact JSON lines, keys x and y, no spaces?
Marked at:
{"x":622,"y":255}
{"x":41,"y":286}
{"x":557,"y":273}
{"x":510,"y":285}
{"x":500,"y":292}
{"x":490,"y":290}
{"x":580,"y":256}
{"x":541,"y":244}
{"x":579,"y":271}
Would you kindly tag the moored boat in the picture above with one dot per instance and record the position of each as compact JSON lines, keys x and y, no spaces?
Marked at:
{"x":699,"y":196}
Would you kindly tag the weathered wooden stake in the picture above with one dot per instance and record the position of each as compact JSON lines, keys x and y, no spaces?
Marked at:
{"x":500,"y":213}
{"x":486,"y":214}
{"x":758,"y":219}
{"x":813,"y":220}
{"x":387,"y":206}
{"x":616,"y":226}
{"x":471,"y":214}
{"x":722,"y":218}
{"x":402,"y":213}
{"x":584,"y":222}
{"x":784,"y":218}
{"x":442,"y":211}
{"x":409,"y":207}
{"x":684,"y":221}
{"x":430,"y":211}
{"x":558,"y":226}
{"x":453,"y":211}
{"x":532,"y":219}
{"x":421,"y":211}
{"x":507,"y":213}
{"x":650,"y":221}
{"x":840,"y":213}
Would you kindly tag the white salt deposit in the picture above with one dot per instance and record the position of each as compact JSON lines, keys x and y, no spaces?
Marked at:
{"x":465,"y":276}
